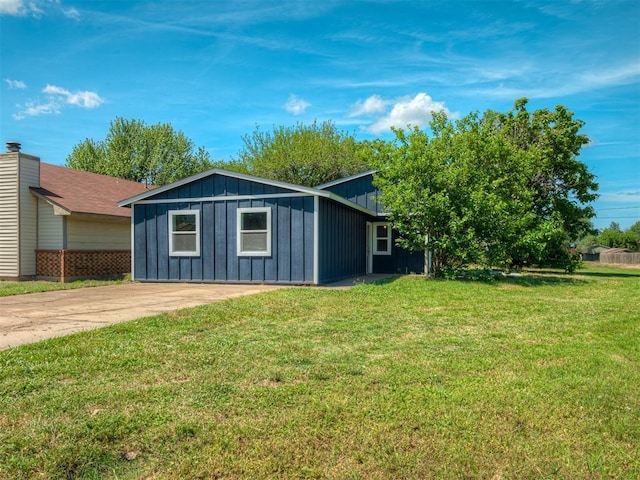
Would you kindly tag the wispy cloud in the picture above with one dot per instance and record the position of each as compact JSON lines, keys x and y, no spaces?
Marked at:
{"x":416,"y":111}
{"x":57,"y":99}
{"x":15,"y":84}
{"x":569,"y":83}
{"x":249,"y":12}
{"x":35,"y":8}
{"x":622,"y":196}
{"x":296,"y":105}
{"x":71,"y":13}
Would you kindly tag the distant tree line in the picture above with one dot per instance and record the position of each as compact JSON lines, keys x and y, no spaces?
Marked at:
{"x":613,"y":236}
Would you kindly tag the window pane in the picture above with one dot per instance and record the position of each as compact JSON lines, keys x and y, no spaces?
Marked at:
{"x":381,"y":245}
{"x":381,"y":231}
{"x":254,"y":242}
{"x":184,"y":223}
{"x":254,"y":221}
{"x":184,"y":243}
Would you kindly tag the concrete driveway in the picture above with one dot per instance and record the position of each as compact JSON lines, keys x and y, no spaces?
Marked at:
{"x":38,"y":316}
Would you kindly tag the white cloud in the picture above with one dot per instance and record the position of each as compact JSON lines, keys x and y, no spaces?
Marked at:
{"x":80,"y":99}
{"x":34,"y":110}
{"x":416,"y":111}
{"x":58,"y":98}
{"x":35,"y":8}
{"x":15,"y":84}
{"x":296,"y":105}
{"x":11,"y":7}
{"x":20,"y":8}
{"x":373,"y":104}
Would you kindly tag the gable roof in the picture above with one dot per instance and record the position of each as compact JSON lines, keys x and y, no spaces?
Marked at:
{"x":79,"y":192}
{"x":243,"y":176}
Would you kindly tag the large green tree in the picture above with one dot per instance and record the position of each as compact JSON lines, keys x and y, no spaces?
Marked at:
{"x":302,"y":154}
{"x":155,"y":154}
{"x":501,"y":189}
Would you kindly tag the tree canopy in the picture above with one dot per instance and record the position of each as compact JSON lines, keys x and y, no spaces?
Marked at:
{"x":497,"y":190}
{"x":614,"y":237}
{"x":155,"y":154}
{"x":303,"y":154}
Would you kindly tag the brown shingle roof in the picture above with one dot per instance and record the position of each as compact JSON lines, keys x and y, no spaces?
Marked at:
{"x":84,"y":192}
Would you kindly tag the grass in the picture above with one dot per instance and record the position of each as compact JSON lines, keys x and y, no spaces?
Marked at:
{"x":530,"y":377}
{"x":18,"y":288}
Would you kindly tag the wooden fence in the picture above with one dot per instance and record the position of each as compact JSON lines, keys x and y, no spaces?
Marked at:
{"x":631,"y":258}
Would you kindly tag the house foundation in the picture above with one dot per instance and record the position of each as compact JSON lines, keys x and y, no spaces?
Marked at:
{"x":70,"y":265}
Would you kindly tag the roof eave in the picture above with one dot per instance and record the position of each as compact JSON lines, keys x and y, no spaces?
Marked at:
{"x":55,"y":205}
{"x":101,"y":216}
{"x":62,"y":210}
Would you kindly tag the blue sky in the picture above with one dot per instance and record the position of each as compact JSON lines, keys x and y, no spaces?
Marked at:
{"x":217,"y":69}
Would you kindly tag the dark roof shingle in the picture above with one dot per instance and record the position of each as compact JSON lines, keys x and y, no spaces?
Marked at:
{"x":82,"y":192}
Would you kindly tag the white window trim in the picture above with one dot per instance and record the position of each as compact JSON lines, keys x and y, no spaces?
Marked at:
{"x":239,"y":231}
{"x":375,"y":238}
{"x":196,"y":252}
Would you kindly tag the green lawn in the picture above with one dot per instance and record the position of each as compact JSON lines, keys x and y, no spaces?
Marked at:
{"x":532,"y":377}
{"x":19,"y":288}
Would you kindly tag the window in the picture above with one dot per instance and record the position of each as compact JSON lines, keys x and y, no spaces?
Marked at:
{"x":254,"y":231}
{"x":184,"y":233}
{"x":381,"y":239}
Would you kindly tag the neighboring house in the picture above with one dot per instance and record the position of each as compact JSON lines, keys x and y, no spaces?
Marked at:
{"x":60,"y":224}
{"x":592,"y":253}
{"x":220,"y":226}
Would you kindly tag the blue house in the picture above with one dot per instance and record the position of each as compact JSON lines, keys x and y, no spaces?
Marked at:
{"x":225,"y":227}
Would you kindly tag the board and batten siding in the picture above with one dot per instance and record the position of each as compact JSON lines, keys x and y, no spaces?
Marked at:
{"x":86,"y":233}
{"x":220,"y":186}
{"x":342,"y":241}
{"x":400,"y":261}
{"x":291,"y":259}
{"x":50,"y":228}
{"x":360,"y":191}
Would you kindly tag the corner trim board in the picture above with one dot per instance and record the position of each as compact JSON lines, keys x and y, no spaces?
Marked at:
{"x":316,"y":240}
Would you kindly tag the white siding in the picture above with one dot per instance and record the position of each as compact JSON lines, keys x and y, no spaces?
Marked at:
{"x":50,"y":228}
{"x":29,"y":177}
{"x":91,"y":234}
{"x":9,"y":215}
